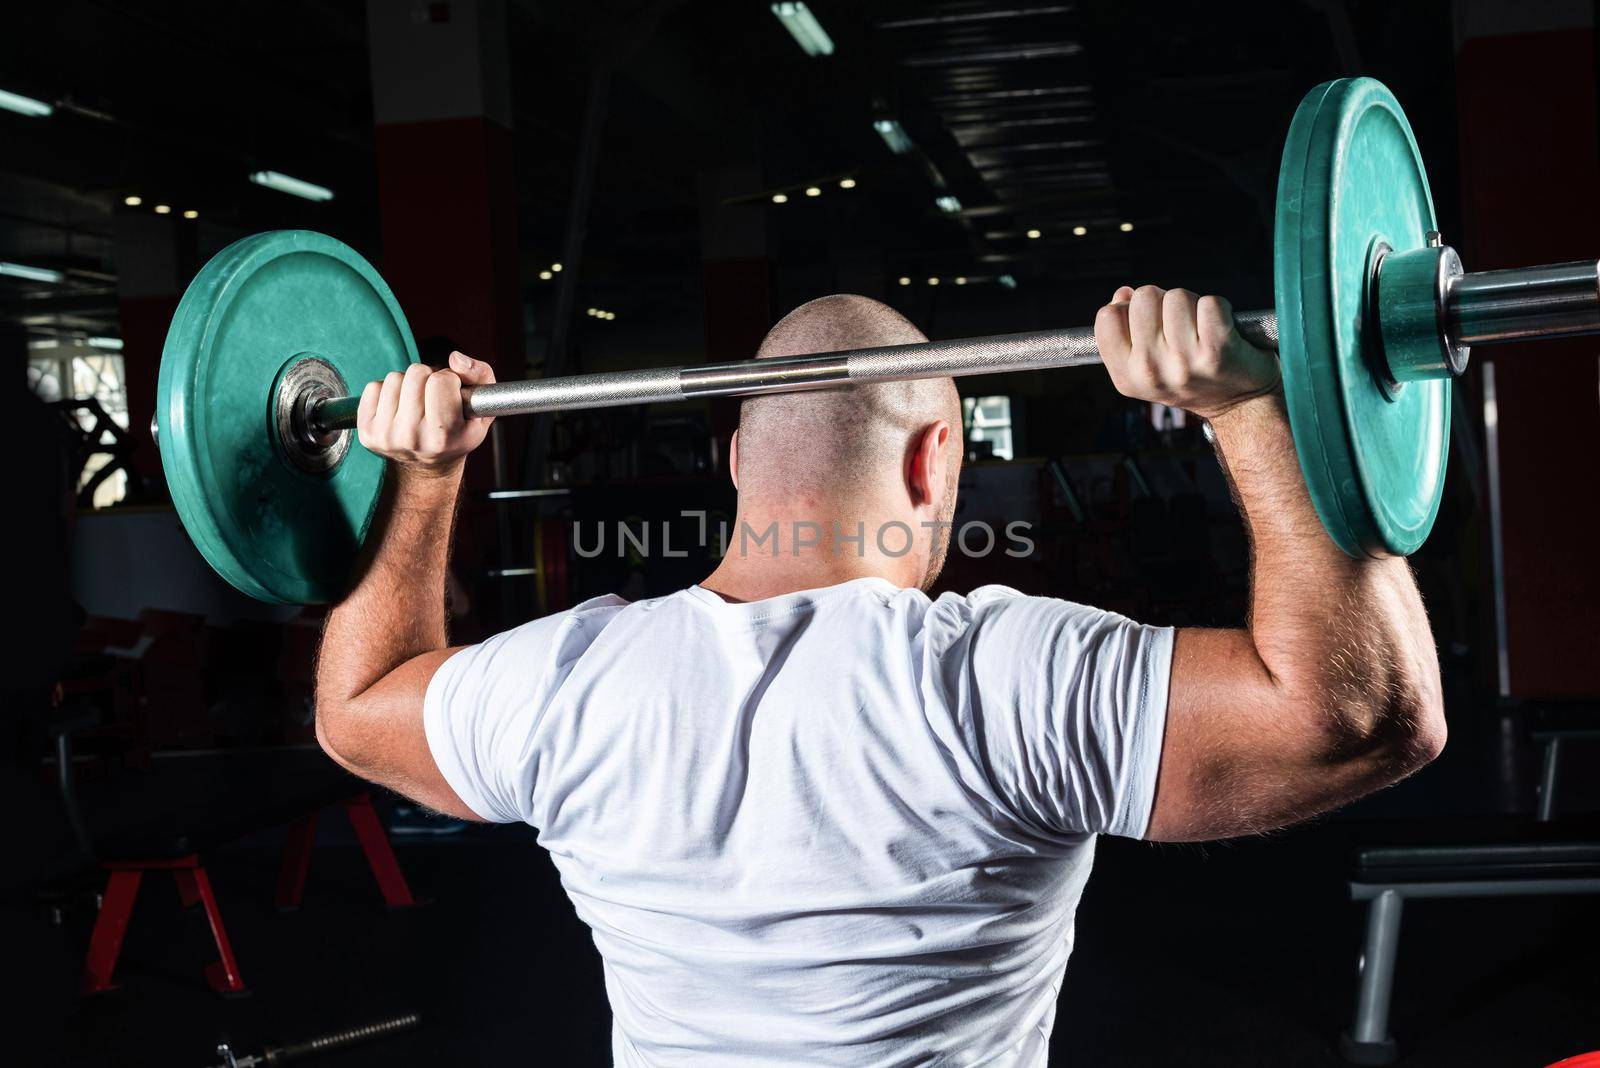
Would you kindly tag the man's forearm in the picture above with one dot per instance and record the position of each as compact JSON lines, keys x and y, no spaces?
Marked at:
{"x":397,"y":609}
{"x":1348,"y":634}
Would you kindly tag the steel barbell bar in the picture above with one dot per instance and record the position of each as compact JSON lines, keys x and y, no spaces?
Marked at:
{"x":1482,"y":308}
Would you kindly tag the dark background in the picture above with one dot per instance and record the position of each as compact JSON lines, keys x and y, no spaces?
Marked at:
{"x":640,"y":145}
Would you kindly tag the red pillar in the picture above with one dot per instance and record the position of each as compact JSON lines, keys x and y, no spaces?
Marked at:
{"x":446,"y":191}
{"x":1530,"y":168}
{"x":737,"y":272}
{"x":447,"y":203}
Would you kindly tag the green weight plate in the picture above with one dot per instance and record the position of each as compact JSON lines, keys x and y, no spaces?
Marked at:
{"x":1351,"y":181}
{"x":275,"y":531}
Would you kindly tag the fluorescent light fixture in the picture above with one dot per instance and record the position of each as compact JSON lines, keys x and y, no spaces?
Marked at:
{"x":804,"y":28}
{"x":32,"y":274}
{"x":961,"y":280}
{"x":904,"y":280}
{"x":948,"y":203}
{"x":133,"y":201}
{"x":27,"y":105}
{"x":813,"y":191}
{"x":1007,"y":281}
{"x":191,"y":214}
{"x":780,"y":198}
{"x":894,"y":135}
{"x":556,"y":267}
{"x":1079,"y":231}
{"x":545,"y":276}
{"x":1033,"y":233}
{"x":934,"y":280}
{"x":297,"y":187}
{"x":163,"y":209}
{"x":592,"y":311}
{"x":1126,"y":227}
{"x":847,"y":183}
{"x":112,"y":343}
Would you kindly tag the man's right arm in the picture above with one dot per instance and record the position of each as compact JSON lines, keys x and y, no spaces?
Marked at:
{"x":1332,"y":689}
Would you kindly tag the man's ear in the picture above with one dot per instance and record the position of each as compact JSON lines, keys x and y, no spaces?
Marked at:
{"x":733,"y":459}
{"x":925,"y":470}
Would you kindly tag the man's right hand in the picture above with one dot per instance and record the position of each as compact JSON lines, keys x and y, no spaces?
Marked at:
{"x":416,"y":418}
{"x":1171,"y":346}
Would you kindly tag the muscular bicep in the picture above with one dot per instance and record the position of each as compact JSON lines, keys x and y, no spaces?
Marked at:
{"x":1243,"y":751}
{"x":379,"y":735}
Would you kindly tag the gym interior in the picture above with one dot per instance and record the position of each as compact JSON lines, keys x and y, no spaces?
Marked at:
{"x":625,"y":186}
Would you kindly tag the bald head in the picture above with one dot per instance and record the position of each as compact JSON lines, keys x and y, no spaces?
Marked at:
{"x":845,"y":439}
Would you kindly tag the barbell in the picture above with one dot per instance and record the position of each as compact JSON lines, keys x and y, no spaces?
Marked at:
{"x":1374,"y":316}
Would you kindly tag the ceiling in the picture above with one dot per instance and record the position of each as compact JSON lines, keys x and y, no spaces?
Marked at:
{"x":1154,"y":128}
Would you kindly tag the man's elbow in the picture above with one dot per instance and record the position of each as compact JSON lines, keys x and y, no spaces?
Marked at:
{"x":1409,"y":731}
{"x":337,"y":734}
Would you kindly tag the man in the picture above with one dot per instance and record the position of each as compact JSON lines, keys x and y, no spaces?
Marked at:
{"x":812,"y":816}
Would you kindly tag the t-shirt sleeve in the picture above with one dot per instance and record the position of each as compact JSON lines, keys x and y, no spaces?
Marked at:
{"x":482,"y":711}
{"x":1064,"y":705}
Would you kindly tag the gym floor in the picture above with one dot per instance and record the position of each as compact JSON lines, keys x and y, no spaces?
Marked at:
{"x":1240,"y":953}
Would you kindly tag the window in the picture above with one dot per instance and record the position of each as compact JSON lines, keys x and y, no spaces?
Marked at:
{"x":988,"y":422}
{"x":67,"y":372}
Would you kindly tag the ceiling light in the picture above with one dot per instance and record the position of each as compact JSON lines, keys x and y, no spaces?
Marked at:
{"x":32,"y":274}
{"x":961,"y":280}
{"x":608,"y":316}
{"x":780,"y":198}
{"x":1033,"y":233}
{"x":283,"y":183}
{"x":163,"y":209}
{"x":804,"y":28}
{"x":556,"y":267}
{"x":545,"y":276}
{"x":191,"y":214}
{"x":813,"y":191}
{"x":24,"y":105}
{"x":1079,"y":231}
{"x":1007,"y":281}
{"x":592,"y":311}
{"x":934,"y":280}
{"x":133,"y":201}
{"x":112,"y":343}
{"x":894,"y":135}
{"x":847,"y":183}
{"x":1126,"y":227}
{"x":904,"y":280}
{"x":948,"y":203}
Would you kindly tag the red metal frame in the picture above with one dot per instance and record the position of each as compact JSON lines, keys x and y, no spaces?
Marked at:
{"x":194,"y":888}
{"x":116,"y":907}
{"x":375,"y":847}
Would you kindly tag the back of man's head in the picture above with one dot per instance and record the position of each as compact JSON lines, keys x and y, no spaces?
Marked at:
{"x":850,"y":440}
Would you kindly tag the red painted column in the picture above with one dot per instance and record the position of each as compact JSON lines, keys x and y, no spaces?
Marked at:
{"x":1530,"y":169}
{"x":737,"y":273}
{"x":446,"y":191}
{"x":447,"y":205}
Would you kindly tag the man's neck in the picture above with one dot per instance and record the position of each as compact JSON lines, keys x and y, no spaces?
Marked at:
{"x":774,"y":551}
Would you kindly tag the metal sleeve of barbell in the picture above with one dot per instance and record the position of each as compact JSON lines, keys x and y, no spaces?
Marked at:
{"x":1006,"y":354}
{"x":1523,"y":303}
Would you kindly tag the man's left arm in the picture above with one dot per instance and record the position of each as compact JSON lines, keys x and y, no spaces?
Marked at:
{"x":386,"y":639}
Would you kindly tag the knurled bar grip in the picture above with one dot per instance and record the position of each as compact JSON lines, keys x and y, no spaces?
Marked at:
{"x":1040,"y":351}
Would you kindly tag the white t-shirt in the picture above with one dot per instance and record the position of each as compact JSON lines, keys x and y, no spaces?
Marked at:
{"x":844,"y":826}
